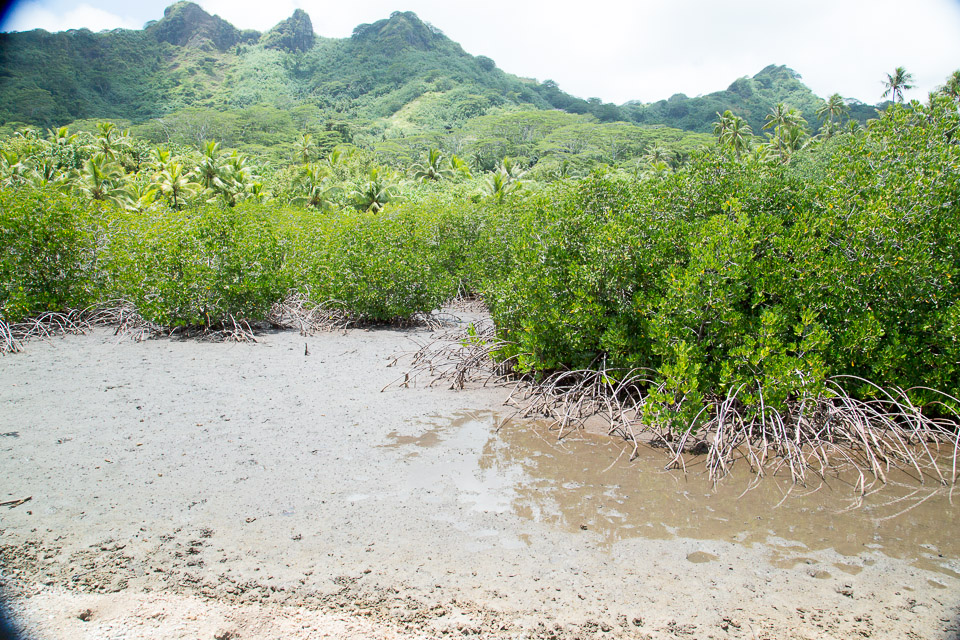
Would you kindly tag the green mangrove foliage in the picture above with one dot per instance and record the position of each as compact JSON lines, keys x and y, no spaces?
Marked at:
{"x":748,"y":270}
{"x":205,"y":266}
{"x":48,"y":252}
{"x":762,"y":280}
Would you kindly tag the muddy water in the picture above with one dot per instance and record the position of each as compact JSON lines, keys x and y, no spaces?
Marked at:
{"x":587,"y":482}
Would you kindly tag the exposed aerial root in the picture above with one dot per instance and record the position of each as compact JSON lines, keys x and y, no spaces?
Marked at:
{"x":296,"y":312}
{"x":457,"y":356}
{"x":812,"y":436}
{"x":43,"y":326}
{"x":300,"y":313}
{"x":466,"y":303}
{"x":8,"y":343}
{"x":125,"y":318}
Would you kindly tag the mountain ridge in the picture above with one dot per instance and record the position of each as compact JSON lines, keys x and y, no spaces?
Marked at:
{"x":192,"y":59}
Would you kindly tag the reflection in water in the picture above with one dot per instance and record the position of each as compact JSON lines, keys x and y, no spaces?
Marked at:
{"x":587,"y":482}
{"x":444,"y":461}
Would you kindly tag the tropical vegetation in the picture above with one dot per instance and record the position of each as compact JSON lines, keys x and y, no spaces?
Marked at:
{"x":775,"y":263}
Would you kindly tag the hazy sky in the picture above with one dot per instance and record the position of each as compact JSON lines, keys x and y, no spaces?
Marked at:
{"x":618,"y":50}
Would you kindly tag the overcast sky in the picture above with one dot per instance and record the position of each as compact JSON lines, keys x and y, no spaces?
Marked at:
{"x":618,"y":50}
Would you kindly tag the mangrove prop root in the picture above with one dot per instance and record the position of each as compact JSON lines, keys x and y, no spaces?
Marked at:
{"x":295,"y":312}
{"x":457,"y":357}
{"x":810,"y":437}
{"x":43,"y":326}
{"x":299,"y":312}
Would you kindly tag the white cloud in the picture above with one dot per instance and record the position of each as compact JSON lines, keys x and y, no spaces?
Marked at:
{"x":650,"y":50}
{"x":85,"y":16}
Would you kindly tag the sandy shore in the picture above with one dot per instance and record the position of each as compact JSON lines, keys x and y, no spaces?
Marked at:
{"x":183,"y":489}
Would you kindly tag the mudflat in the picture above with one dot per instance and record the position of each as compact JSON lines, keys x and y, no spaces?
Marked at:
{"x":189,"y":489}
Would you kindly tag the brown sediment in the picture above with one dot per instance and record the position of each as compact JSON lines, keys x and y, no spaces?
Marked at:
{"x":566,"y":484}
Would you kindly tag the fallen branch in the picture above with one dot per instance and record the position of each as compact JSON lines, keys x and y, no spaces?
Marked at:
{"x":16,"y":503}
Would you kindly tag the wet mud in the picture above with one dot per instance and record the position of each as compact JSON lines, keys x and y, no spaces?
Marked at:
{"x":184,"y":490}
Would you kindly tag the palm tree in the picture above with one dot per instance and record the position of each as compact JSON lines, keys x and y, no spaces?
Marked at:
{"x":13,"y":171}
{"x":208,"y":171}
{"x":432,"y":168}
{"x":337,"y":162}
{"x":61,"y":136}
{"x":176,"y":184}
{"x":210,"y":148}
{"x":142,"y":195}
{"x":374,"y":193}
{"x":792,"y":139}
{"x":722,"y":125}
{"x":896,"y":83}
{"x":159,"y":157}
{"x":109,"y":138}
{"x":478,"y":159}
{"x":320,"y":191}
{"x":657,"y":154}
{"x":499,"y":185}
{"x":833,"y":107}
{"x":510,"y":170}
{"x":28,"y":133}
{"x":734,"y":131}
{"x":952,"y":86}
{"x":46,"y":172}
{"x":258,"y":192}
{"x":458,"y":165}
{"x":338,"y":156}
{"x":783,"y":116}
{"x":777,"y":116}
{"x":655,"y":169}
{"x":790,"y":128}
{"x":101,"y":179}
{"x":305,"y":147}
{"x":235,"y":179}
{"x":764,"y":153}
{"x":739,"y":135}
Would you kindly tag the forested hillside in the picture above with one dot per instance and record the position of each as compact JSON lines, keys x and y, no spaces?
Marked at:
{"x":787,"y":281}
{"x":750,"y":98}
{"x":192,"y":59}
{"x":397,"y":77}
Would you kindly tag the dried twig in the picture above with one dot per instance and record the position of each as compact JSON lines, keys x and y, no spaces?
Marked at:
{"x":16,"y":503}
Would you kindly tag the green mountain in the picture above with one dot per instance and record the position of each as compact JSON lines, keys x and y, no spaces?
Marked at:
{"x":192,"y":59}
{"x":191,"y":75}
{"x":749,"y":98}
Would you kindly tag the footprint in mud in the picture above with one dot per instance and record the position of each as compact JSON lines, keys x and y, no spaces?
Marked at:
{"x":427,"y":439}
{"x":852,"y":569}
{"x":699,"y":557}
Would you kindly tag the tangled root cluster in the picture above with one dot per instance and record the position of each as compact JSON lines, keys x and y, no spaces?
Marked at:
{"x":812,"y":436}
{"x":295,"y":312}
